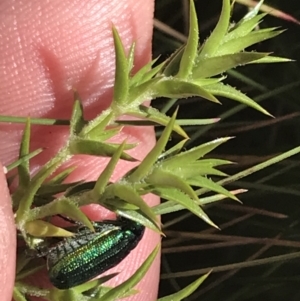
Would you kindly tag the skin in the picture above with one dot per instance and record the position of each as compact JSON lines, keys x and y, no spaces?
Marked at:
{"x":47,"y":48}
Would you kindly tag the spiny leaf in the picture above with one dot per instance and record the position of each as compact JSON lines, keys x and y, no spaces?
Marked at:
{"x":118,"y":204}
{"x":230,"y":92}
{"x":121,"y":86}
{"x":146,"y":165}
{"x":39,"y":228}
{"x":152,"y":73}
{"x":193,"y":169}
{"x":239,"y":44}
{"x":190,"y":50}
{"x":80,"y":189}
{"x":218,"y":197}
{"x":173,"y":150}
{"x":49,"y":189}
{"x":91,"y":129}
{"x":193,"y":154}
{"x":216,"y":65}
{"x":70,"y":210}
{"x":131,"y":196}
{"x":99,"y":128}
{"x":272,"y":59}
{"x":139,"y":93}
{"x":163,"y":178}
{"x":176,"y":196}
{"x":207,"y":81}
{"x":62,"y":175}
{"x":212,"y":44}
{"x":24,"y":159}
{"x":154,"y":115}
{"x":131,"y":58}
{"x":63,"y":206}
{"x":210,"y":171}
{"x":173,"y":62}
{"x":195,"y":122}
{"x":77,"y":121}
{"x":145,"y":73}
{"x":187,"y":291}
{"x":36,"y":182}
{"x":137,"y":77}
{"x":23,"y":166}
{"x":138,"y":217}
{"x":108,"y":133}
{"x":107,"y":172}
{"x":212,"y":162}
{"x":200,"y":181}
{"x":171,"y":206}
{"x":254,"y":11}
{"x":177,"y":88}
{"x":97,"y":148}
{"x":243,"y":28}
{"x":23,"y":169}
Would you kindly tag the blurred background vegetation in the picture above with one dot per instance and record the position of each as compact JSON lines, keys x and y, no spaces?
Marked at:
{"x":267,"y":224}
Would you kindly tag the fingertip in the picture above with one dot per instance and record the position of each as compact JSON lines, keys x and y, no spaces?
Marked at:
{"x":8,"y":240}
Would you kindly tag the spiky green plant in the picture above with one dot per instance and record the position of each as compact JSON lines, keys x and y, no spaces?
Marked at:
{"x":178,"y":176}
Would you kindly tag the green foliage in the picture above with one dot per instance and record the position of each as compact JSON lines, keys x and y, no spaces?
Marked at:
{"x":177,"y":176}
{"x":187,"y":291}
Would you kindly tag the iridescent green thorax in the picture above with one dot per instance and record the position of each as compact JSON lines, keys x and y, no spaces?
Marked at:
{"x":86,"y":255}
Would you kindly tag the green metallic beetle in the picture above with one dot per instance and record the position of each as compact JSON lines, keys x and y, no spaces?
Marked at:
{"x":78,"y":259}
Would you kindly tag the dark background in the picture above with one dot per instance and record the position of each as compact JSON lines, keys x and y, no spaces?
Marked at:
{"x":267,"y":224}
